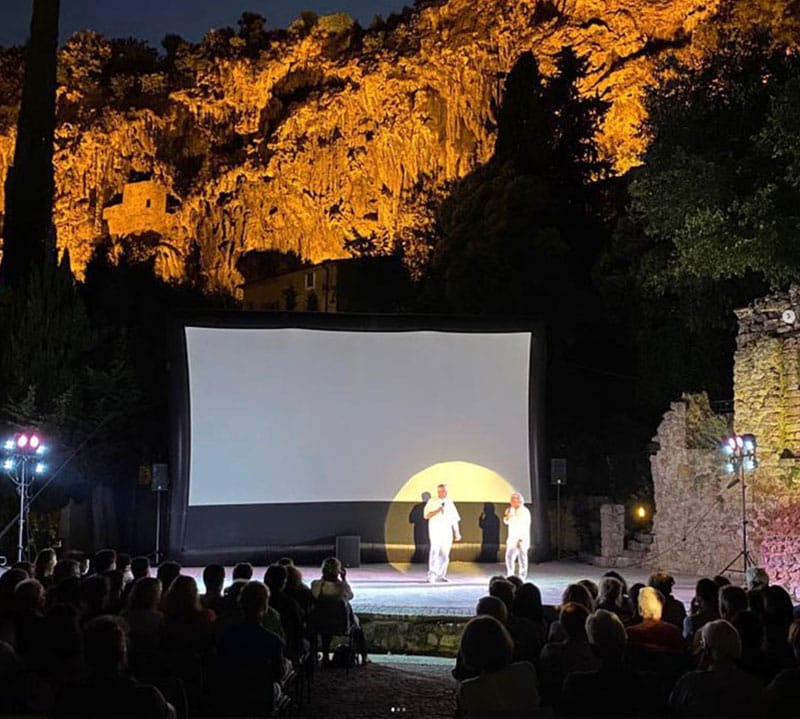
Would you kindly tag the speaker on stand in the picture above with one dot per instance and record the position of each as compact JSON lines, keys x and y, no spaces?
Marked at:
{"x":160,"y":485}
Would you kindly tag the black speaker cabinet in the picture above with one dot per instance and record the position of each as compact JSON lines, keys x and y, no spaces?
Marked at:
{"x":348,"y":550}
{"x":160,"y":477}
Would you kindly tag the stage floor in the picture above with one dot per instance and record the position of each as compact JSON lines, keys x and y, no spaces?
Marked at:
{"x":403,"y":589}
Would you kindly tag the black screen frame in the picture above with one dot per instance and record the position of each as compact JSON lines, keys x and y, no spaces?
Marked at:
{"x":180,"y":406}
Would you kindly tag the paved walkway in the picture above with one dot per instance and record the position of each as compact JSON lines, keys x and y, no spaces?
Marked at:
{"x":390,"y":686}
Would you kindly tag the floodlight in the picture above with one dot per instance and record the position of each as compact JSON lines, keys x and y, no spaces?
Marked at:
{"x":8,"y":465}
{"x":9,"y":445}
{"x":40,"y":467}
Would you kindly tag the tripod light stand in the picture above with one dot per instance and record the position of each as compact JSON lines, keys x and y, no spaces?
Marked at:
{"x":22,"y":462}
{"x":740,"y":458}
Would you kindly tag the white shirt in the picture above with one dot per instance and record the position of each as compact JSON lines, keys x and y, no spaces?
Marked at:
{"x":442,"y":524}
{"x":519,"y":524}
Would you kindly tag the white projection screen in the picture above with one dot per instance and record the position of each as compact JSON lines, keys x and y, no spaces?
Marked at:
{"x":295,"y":434}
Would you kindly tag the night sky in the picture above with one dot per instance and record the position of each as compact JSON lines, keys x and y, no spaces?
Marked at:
{"x":152,"y":19}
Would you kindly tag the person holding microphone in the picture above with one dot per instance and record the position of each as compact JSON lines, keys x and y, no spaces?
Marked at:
{"x":443,"y":519}
{"x":517,"y":518}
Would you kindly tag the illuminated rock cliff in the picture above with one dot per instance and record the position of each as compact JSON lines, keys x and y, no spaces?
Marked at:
{"x":331,"y":133}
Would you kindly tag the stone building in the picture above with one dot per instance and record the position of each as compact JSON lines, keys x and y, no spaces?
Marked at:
{"x":370,"y":284}
{"x":143,"y":207}
{"x":698,"y":518}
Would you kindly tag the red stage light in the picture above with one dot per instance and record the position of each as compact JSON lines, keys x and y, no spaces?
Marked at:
{"x":34,"y":441}
{"x":22,"y":441}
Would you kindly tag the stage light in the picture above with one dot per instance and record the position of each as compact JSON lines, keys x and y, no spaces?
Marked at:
{"x":22,"y":441}
{"x":749,"y":443}
{"x":8,"y":465}
{"x":641,"y":512}
{"x":739,"y":441}
{"x":40,"y":467}
{"x":9,"y":445}
{"x":749,"y":464}
{"x":34,"y":441}
{"x":729,"y":467}
{"x":40,"y":450}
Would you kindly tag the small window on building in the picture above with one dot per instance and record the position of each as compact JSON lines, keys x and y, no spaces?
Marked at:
{"x":310,"y":281}
{"x":147,"y":203}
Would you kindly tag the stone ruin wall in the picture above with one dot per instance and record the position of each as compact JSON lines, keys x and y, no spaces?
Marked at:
{"x":697,"y":521}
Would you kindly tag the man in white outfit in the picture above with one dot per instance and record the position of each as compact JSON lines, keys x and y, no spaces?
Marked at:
{"x":518,"y":520}
{"x":443,"y":520}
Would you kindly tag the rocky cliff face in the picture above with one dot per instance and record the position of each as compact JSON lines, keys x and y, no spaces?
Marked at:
{"x":330,"y":134}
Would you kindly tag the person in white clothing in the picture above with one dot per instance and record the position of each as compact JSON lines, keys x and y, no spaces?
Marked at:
{"x":518,"y":520}
{"x":443,"y":519}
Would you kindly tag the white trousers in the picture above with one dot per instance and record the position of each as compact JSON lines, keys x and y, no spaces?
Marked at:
{"x":439,"y":559}
{"x":517,"y":552}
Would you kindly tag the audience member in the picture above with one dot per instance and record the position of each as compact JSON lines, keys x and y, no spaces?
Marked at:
{"x":673,"y":611}
{"x":719,"y":688}
{"x":104,"y":561}
{"x":188,"y":628}
{"x":592,"y":588}
{"x":26,"y":567}
{"x":782,"y":697}
{"x":705,"y":608}
{"x":44,"y":567}
{"x":751,"y":638}
{"x":578,"y":594}
{"x":298,"y":590}
{"x":291,"y":614}
{"x":732,"y":600}
{"x":778,"y":617}
{"x":247,"y":644}
{"x":652,"y":633}
{"x":611,"y":597}
{"x":333,"y":585}
{"x":614,"y":689}
{"x":503,"y":590}
{"x":109,"y":691}
{"x":516,"y":581}
{"x":140,"y":567}
{"x":124,"y":566}
{"x":167,"y":573}
{"x":61,"y":660}
{"x":499,"y":688}
{"x":29,"y":605}
{"x":558,"y":659}
{"x":144,"y":617}
{"x":95,"y":592}
{"x":756,"y":578}
{"x":213,"y":581}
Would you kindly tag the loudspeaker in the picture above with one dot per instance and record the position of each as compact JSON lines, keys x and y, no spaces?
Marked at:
{"x":558,"y":471}
{"x":348,"y":550}
{"x":160,"y":478}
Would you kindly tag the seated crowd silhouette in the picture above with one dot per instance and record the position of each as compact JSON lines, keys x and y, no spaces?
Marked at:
{"x":110,"y":639}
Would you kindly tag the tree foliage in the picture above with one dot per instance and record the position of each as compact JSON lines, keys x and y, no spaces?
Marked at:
{"x":718,"y":196}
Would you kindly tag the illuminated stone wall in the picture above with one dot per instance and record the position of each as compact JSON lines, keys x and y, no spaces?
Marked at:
{"x":697,"y":521}
{"x":767,"y":404}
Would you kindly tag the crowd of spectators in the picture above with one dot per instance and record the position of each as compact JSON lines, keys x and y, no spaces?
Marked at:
{"x":608,"y":651}
{"x":106,"y":638}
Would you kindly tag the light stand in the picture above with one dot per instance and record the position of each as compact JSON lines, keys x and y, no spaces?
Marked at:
{"x":740,"y":457}
{"x":22,"y":461}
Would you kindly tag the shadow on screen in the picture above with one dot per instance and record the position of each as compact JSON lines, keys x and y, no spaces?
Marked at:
{"x":420,"y":527}
{"x":489,"y":524}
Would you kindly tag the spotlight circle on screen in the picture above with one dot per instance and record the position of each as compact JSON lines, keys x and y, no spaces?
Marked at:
{"x":466,"y":482}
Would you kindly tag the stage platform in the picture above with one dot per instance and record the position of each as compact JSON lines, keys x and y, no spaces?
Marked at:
{"x":403,"y":589}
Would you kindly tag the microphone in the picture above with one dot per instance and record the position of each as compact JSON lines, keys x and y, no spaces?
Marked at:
{"x":442,"y":504}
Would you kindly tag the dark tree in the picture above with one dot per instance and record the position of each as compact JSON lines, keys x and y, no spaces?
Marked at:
{"x":28,"y":232}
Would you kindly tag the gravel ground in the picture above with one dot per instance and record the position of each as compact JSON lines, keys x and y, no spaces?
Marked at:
{"x":389,"y":686}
